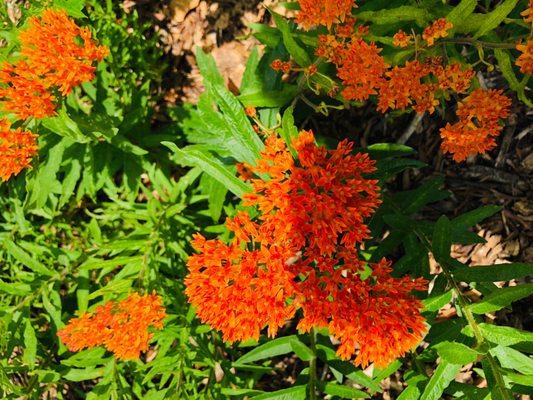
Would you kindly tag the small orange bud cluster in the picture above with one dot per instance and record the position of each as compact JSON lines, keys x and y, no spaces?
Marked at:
{"x":282,"y":66}
{"x":121,"y":327}
{"x":401,"y":39}
{"x":438,"y":29}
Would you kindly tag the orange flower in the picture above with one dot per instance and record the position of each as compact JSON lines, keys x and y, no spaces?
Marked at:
{"x":404,"y":87}
{"x":24,"y":94}
{"x":453,"y":77}
{"x":401,"y":39}
{"x":438,"y":29}
{"x":323,"y":12}
{"x":359,"y":65}
{"x":478,"y":125}
{"x":238,"y":291}
{"x":378,"y":316}
{"x":59,"y":51}
{"x":528,"y":13}
{"x":17,"y":148}
{"x":121,"y":327}
{"x":525,"y":61}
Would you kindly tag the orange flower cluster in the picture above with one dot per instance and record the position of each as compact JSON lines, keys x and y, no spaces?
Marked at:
{"x":323,"y":12}
{"x":525,"y":60}
{"x":359,"y":65}
{"x":438,"y":29}
{"x":17,"y":148}
{"x":121,"y":327}
{"x":56,"y":54}
{"x":478,"y":125}
{"x":401,"y":39}
{"x":301,"y":253}
{"x":363,"y":72}
{"x":528,"y":12}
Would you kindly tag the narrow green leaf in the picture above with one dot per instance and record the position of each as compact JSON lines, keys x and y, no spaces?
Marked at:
{"x":301,"y":349}
{"x":344,"y":392}
{"x":210,"y":165}
{"x":441,"y":378}
{"x":494,"y":273}
{"x":270,"y":349}
{"x":502,"y":335}
{"x":505,"y":63}
{"x":460,"y":13}
{"x":293,"y":393}
{"x":494,"y":18}
{"x":288,"y":130}
{"x":25,"y":259}
{"x":65,"y":126}
{"x":513,"y":359}
{"x":30,"y":345}
{"x":501,"y":298}
{"x":441,"y":240}
{"x":456,"y":353}
{"x":396,"y":15}
{"x":295,"y":50}
{"x":114,"y":262}
{"x":436,"y":302}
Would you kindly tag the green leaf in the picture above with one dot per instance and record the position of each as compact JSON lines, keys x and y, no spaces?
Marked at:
{"x":72,"y":7}
{"x":456,"y":353}
{"x":511,"y":358}
{"x":270,"y":349}
{"x":295,"y":50}
{"x":493,"y":273}
{"x":442,"y":240}
{"x":393,"y":16}
{"x":301,"y":349}
{"x":16,"y":288}
{"x":195,"y":156}
{"x":268,"y":98}
{"x":436,"y":302}
{"x":84,"y":374}
{"x":502,"y":335}
{"x":501,"y":298}
{"x":30,"y":345}
{"x":506,"y":67}
{"x":114,"y":262}
{"x":293,"y":393}
{"x":25,"y":259}
{"x":208,"y":68}
{"x":344,"y":392}
{"x":240,"y":392}
{"x":441,"y":378}
{"x":474,"y":217}
{"x":494,"y":18}
{"x":379,"y":151}
{"x":288,"y":130}
{"x":65,"y":126}
{"x":460,"y":13}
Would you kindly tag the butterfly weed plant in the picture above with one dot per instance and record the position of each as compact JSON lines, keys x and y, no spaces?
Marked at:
{"x":192,"y":259}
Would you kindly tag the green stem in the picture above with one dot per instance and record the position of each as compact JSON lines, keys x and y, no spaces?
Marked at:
{"x":312,"y":366}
